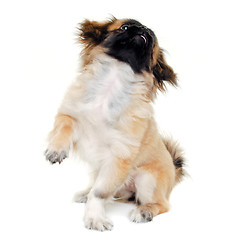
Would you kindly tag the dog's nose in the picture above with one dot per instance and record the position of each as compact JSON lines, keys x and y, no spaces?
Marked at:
{"x":139,"y":30}
{"x":136,"y":27}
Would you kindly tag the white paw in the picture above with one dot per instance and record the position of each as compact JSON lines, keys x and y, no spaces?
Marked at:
{"x":139,"y":215}
{"x":99,"y":223}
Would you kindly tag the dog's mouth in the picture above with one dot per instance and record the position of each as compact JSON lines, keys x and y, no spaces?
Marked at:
{"x":140,"y":39}
{"x":144,"y":38}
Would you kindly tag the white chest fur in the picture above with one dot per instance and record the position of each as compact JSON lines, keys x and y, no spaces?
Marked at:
{"x":110,"y":88}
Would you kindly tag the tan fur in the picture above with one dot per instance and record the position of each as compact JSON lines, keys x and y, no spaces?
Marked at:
{"x":116,"y":24}
{"x":60,"y":137}
{"x":156,"y":160}
{"x":136,"y":153}
{"x":176,"y":153}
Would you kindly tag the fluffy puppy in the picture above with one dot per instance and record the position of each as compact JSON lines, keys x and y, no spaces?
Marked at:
{"x":106,"y":117}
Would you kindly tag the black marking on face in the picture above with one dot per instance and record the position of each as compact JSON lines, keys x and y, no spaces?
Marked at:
{"x":131,"y":43}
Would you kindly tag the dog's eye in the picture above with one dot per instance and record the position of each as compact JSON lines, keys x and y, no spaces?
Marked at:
{"x":124,"y":27}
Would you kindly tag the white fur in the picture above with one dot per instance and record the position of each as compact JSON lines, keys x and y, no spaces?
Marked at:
{"x":97,"y":101}
{"x":145,"y":185}
{"x":94,"y":217}
{"x":135,"y":215}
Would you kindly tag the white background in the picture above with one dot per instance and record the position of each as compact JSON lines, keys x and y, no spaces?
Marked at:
{"x":39,"y":59}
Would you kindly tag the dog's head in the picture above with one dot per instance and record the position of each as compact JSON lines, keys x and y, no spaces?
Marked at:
{"x":129,"y":41}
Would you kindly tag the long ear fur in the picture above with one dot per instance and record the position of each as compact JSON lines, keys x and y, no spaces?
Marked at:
{"x":162,"y":71}
{"x":92,"y":33}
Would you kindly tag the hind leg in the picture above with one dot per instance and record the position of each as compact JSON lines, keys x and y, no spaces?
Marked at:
{"x":153,"y":184}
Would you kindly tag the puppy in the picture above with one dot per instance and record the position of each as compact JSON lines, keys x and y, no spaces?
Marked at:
{"x":107,"y":117}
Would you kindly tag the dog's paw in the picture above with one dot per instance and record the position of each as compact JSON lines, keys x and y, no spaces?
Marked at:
{"x":139,"y":215}
{"x":55,"y":156}
{"x":99,"y":224}
{"x":81,"y":197}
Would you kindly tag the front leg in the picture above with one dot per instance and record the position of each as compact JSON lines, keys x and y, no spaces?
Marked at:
{"x":60,"y":138}
{"x":112,"y":175}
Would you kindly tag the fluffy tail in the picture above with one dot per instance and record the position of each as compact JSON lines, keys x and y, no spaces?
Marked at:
{"x":177,"y":155}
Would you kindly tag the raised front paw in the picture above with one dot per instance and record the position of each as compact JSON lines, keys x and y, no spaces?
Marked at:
{"x":54,"y":156}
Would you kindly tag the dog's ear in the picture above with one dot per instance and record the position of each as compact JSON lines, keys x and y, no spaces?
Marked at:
{"x":161,"y":70}
{"x":92,"y":33}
